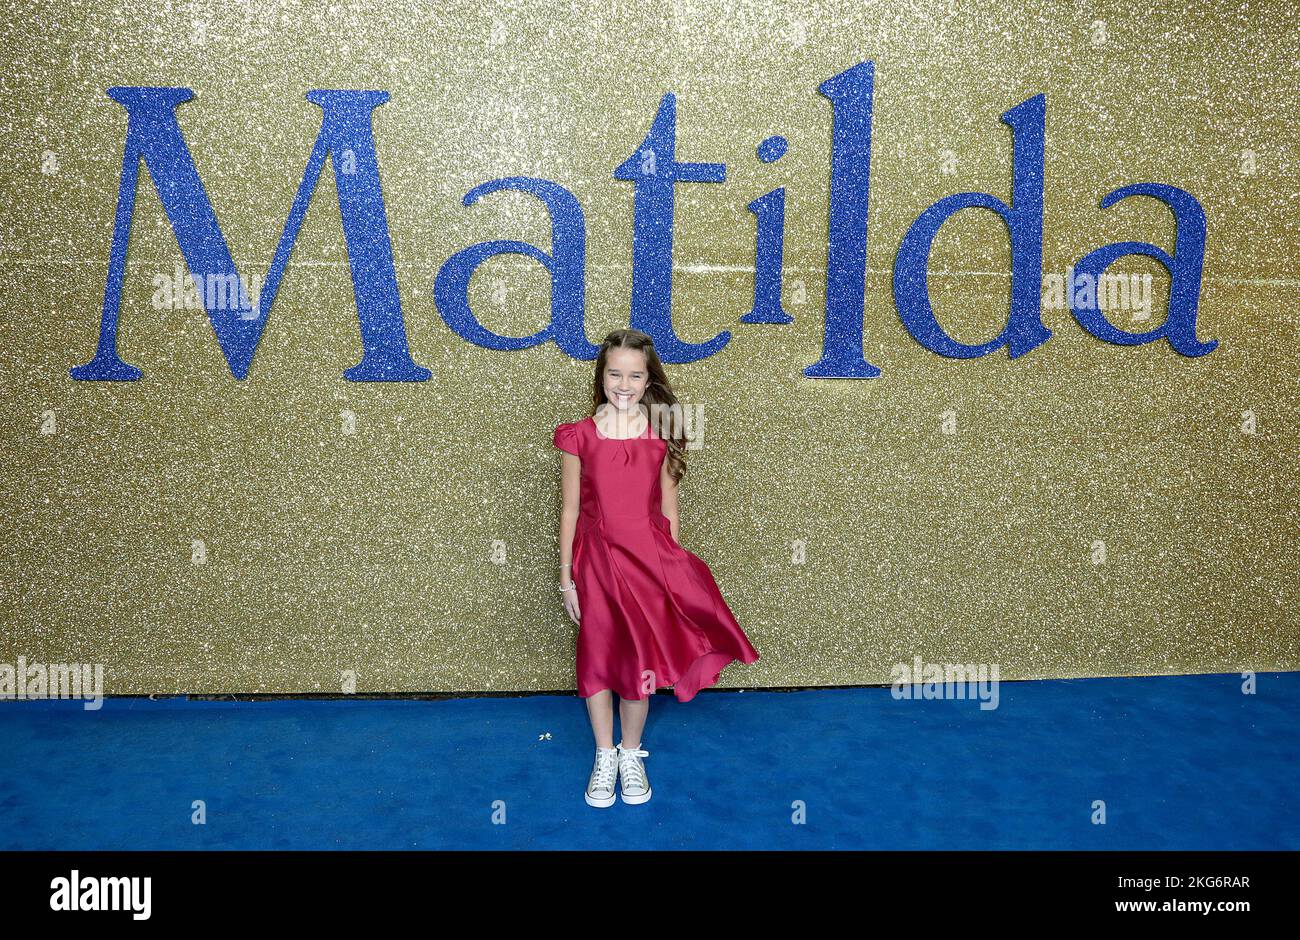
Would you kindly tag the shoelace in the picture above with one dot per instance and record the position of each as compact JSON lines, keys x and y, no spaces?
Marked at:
{"x":602,"y":777}
{"x":632,"y":768}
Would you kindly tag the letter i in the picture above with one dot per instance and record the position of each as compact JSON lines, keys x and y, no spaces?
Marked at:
{"x":769,"y":245}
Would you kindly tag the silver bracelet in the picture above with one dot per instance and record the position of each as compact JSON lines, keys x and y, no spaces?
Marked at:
{"x":569,"y":588}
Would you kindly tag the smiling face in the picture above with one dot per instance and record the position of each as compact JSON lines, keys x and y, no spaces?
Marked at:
{"x":626,"y":377}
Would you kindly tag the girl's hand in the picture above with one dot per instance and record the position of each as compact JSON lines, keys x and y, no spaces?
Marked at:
{"x":571,"y":605}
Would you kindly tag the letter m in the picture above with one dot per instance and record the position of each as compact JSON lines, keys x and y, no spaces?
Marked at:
{"x":154,"y":136}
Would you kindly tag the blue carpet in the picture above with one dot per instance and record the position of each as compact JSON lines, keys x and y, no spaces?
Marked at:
{"x":1181,"y":762}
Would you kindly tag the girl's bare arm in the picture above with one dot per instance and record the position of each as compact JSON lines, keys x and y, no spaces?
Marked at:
{"x":570,"y":488}
{"x":668,"y":486}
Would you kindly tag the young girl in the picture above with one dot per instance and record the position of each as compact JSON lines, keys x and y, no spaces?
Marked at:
{"x":649,"y":612}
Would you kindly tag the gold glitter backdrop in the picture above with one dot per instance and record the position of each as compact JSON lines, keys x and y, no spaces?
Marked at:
{"x":1100,"y":510}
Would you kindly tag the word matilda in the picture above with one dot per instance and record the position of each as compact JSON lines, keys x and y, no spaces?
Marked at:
{"x":654,"y":172}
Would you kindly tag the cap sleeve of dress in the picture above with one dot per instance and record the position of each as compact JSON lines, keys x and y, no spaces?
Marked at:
{"x":566,"y":438}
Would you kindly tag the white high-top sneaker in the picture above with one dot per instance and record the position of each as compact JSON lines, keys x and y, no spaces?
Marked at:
{"x":633,"y":782}
{"x":600,"y":787}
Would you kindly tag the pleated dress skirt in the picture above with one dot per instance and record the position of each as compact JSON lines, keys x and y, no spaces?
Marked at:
{"x":652,"y":615}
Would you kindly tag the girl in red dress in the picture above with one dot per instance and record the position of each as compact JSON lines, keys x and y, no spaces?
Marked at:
{"x":649,"y":612}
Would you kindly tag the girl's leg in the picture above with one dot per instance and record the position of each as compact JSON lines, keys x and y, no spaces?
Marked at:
{"x":600,"y":709}
{"x":631,"y":717}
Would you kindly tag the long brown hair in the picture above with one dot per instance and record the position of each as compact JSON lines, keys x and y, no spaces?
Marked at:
{"x":664,"y":411}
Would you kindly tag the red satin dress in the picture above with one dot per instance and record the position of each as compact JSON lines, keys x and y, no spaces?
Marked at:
{"x":651,"y":612}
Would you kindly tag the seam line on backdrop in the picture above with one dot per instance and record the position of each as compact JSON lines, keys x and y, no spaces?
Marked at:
{"x":706,"y":269}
